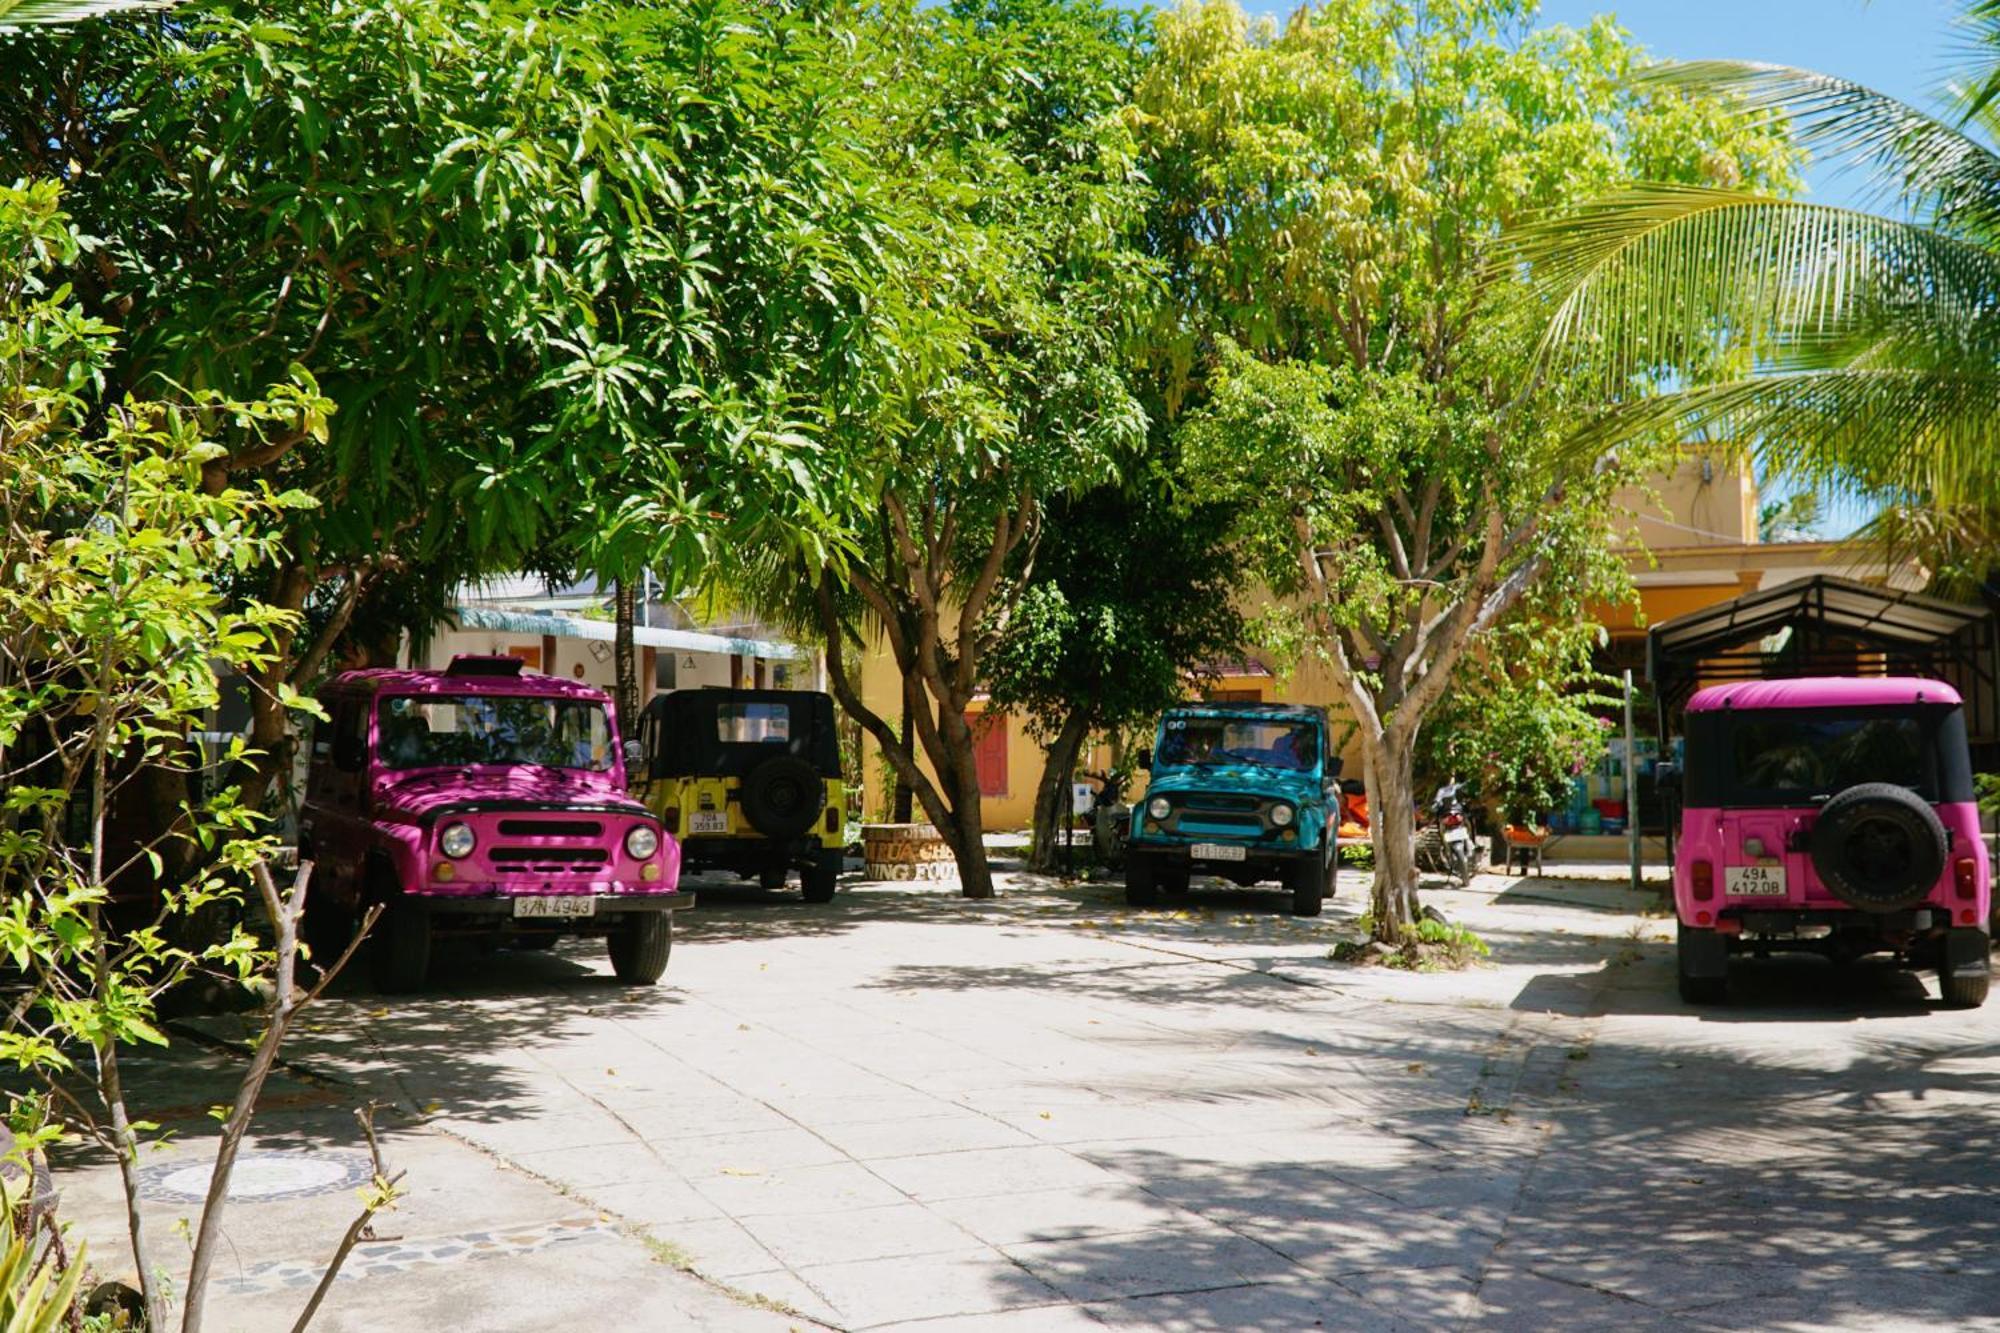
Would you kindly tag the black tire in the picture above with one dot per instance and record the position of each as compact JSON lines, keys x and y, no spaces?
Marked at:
{"x":1459,"y":860}
{"x":1142,"y":886}
{"x":782,"y":796}
{"x":1878,"y":847}
{"x":1696,"y":989}
{"x":327,"y":929}
{"x":772,"y":877}
{"x":1307,"y":882}
{"x":823,"y":879}
{"x":399,"y":947}
{"x":640,"y":946}
{"x":1173,"y":883}
{"x":1965,"y":971}
{"x":1964,"y":992}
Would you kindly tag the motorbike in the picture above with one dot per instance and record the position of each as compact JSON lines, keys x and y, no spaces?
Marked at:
{"x":1110,"y":818}
{"x":1450,"y":834}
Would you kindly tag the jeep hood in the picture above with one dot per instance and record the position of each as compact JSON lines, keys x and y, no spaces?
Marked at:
{"x":421,"y":793}
{"x":1237,"y":780}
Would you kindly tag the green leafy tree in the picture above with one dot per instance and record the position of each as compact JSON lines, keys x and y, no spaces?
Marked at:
{"x":991,"y":379}
{"x":1850,"y":351}
{"x":493,"y":235}
{"x":1131,"y":598}
{"x":114,"y":621}
{"x":1526,"y":717}
{"x":1351,"y":363}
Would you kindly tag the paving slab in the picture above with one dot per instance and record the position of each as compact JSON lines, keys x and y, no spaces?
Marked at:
{"x":1051,"y":1112}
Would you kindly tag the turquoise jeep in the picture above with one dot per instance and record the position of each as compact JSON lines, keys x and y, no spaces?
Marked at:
{"x":1244,"y":791}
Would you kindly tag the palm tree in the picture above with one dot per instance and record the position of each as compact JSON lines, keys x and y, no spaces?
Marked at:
{"x":1855,"y":351}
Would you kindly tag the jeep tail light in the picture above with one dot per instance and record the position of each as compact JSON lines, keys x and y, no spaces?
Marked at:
{"x":1965,"y":877}
{"x":1703,"y":875}
{"x":670,"y":820}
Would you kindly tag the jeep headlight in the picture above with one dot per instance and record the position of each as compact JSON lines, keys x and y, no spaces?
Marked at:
{"x":457,"y":841}
{"x":1159,"y":807}
{"x":641,"y":842}
{"x":1282,"y":815}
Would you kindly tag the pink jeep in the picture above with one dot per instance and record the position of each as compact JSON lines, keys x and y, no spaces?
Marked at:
{"x":477,"y":801}
{"x":1832,"y":815}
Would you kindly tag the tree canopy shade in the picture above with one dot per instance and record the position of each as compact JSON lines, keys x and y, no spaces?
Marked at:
{"x":1132,"y":596}
{"x":506,"y":240}
{"x":993,"y":376}
{"x":1850,"y":351}
{"x":1331,"y":194}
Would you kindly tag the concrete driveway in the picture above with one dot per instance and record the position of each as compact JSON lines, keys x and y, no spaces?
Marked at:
{"x":1047,"y":1112}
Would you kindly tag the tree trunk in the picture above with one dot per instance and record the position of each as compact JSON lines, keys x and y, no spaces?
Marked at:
{"x":625,"y":609}
{"x":1052,"y":795}
{"x":901,"y":810}
{"x":1393,"y":825}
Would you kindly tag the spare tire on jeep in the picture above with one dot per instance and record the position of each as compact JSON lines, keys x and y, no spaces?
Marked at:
{"x":1878,"y":847}
{"x":782,"y":796}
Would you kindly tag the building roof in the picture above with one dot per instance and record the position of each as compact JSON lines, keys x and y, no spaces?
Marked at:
{"x":573,"y":627}
{"x":1824,"y":692}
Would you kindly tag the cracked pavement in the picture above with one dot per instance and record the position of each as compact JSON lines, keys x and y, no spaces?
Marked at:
{"x":1048,"y":1112}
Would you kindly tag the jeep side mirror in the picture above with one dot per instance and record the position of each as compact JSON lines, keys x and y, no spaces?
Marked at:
{"x":635,"y":754}
{"x":1144,"y":759}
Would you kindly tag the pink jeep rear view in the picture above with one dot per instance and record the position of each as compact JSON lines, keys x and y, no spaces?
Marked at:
{"x":1833,"y":815}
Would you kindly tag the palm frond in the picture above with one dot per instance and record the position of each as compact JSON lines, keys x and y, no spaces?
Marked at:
{"x":1977,"y":89}
{"x":1676,"y":281}
{"x":1926,"y":435}
{"x":43,"y":13}
{"x":1937,"y":169}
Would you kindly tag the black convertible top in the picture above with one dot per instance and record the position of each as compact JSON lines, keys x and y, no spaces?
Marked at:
{"x":683,"y":739}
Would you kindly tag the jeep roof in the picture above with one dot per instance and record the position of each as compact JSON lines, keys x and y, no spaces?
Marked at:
{"x":1825,"y":692}
{"x":686,"y":742}
{"x":1223,"y":708}
{"x":465,"y":675}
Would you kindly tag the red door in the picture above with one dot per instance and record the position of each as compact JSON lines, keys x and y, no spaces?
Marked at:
{"x":989,"y":739}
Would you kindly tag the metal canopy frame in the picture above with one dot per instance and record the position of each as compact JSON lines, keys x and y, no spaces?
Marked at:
{"x":1829,"y":620}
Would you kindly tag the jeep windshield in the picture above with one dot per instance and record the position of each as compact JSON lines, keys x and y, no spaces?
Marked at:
{"x":1210,"y":741}
{"x":1799,"y":757}
{"x":453,"y":730}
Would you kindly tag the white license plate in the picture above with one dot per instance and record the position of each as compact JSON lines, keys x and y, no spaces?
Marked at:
{"x":1755,"y":882}
{"x":1218,"y":851}
{"x":561,"y":907}
{"x":709,"y":821}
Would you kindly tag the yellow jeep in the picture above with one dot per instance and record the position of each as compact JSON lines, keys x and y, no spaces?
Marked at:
{"x":749,"y":781}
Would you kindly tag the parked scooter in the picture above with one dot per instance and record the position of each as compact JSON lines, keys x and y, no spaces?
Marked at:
{"x":1110,"y":818}
{"x":1454,"y":832}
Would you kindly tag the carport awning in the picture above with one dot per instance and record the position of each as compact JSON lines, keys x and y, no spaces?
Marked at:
{"x":567,"y":627}
{"x":1829,"y":618}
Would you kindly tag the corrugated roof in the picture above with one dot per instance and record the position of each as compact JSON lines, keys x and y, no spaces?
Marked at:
{"x":570,"y":627}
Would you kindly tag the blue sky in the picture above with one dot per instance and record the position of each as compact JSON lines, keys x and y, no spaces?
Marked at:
{"x":1900,"y":47}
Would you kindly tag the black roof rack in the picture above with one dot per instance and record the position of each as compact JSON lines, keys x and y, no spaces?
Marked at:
{"x":483,"y":664}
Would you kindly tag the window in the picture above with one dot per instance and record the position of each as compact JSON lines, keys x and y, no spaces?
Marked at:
{"x":350,"y":737}
{"x":441,"y":730}
{"x":1233,"y":740}
{"x":1800,"y":755}
{"x":753,"y":724}
{"x":666,"y":671}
